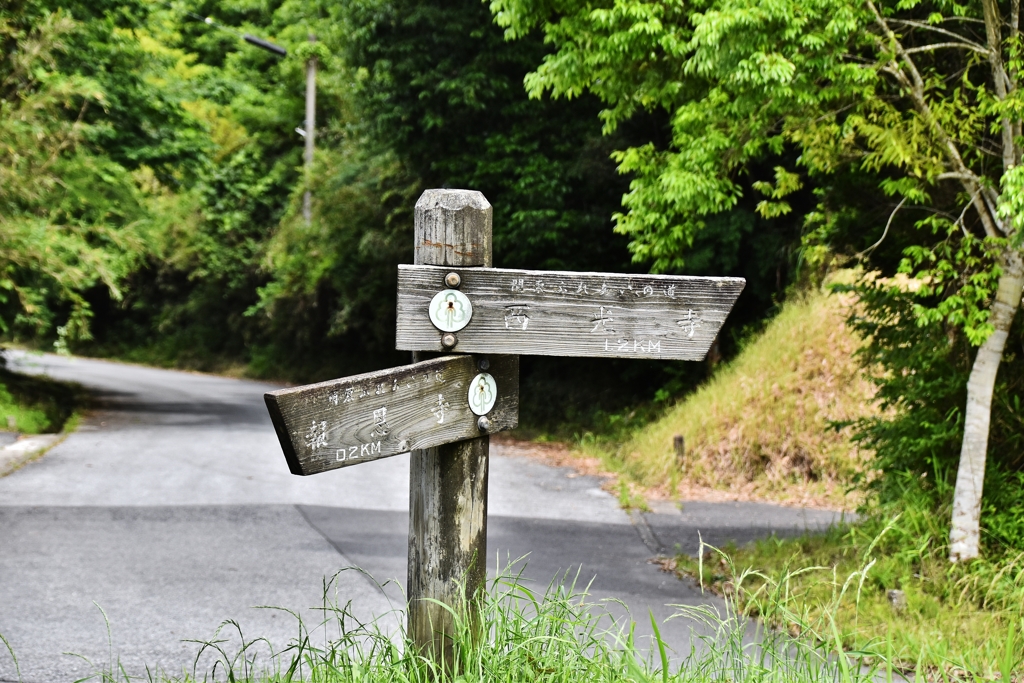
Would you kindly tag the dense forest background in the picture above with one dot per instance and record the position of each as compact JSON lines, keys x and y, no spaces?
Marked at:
{"x":152,"y":185}
{"x":195,"y":131}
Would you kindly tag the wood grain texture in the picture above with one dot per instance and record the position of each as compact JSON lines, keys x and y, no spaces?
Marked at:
{"x":366,"y":417}
{"x":448,"y":484}
{"x":553,"y":313}
{"x":447,"y":540}
{"x":453,"y":228}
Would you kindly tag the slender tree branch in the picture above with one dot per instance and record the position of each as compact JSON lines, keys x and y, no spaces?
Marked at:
{"x":938,"y":46}
{"x":971,"y":20}
{"x":1012,"y":76}
{"x":936,"y":29}
{"x":993,"y":31}
{"x":992,"y":202}
{"x":915,"y":87}
{"x":960,"y":220}
{"x":884,"y":232}
{"x":1014,"y":19}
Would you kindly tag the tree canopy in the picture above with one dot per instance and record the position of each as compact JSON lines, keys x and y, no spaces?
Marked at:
{"x":152,"y":182}
{"x":921,"y":98}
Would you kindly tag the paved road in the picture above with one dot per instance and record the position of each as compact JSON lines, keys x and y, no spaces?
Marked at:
{"x":172,"y":510}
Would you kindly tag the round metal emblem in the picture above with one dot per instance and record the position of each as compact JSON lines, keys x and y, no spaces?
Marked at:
{"x":450,"y":310}
{"x":483,"y":392}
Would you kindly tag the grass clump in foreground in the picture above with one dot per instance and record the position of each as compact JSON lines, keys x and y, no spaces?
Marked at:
{"x":763,"y":425}
{"x":521,"y":635}
{"x":948,"y":621}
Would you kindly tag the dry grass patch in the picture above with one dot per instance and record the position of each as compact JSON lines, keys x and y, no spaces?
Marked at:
{"x":769,"y":426}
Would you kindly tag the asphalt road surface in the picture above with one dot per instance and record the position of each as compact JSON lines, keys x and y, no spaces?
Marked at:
{"x":171,"y":510}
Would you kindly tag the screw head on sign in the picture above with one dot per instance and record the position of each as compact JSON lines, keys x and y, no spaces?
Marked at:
{"x":483,"y":364}
{"x":483,"y":392}
{"x":483,"y":424}
{"x":453,"y":280}
{"x":450,"y":310}
{"x":448,"y":341}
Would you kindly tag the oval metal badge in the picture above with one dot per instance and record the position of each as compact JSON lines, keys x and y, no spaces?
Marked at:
{"x":450,"y":310}
{"x":483,"y":392}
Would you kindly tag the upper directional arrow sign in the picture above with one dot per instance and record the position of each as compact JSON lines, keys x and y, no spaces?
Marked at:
{"x":552,"y":313}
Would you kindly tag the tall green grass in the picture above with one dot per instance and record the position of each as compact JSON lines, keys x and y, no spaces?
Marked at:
{"x":518,"y":634}
{"x":960,"y":621}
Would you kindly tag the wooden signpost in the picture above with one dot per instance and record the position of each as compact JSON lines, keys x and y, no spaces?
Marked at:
{"x":442,"y":410}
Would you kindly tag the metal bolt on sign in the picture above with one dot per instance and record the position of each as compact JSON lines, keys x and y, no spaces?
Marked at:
{"x":443,"y":410}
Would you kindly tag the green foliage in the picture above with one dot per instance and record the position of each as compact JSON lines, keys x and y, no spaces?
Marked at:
{"x":1012,"y":200}
{"x":744,"y":84}
{"x":514,"y":633}
{"x":738,"y":82}
{"x":334,"y":279}
{"x":141,"y":121}
{"x":441,"y":89}
{"x":20,"y":418}
{"x":187,"y":302}
{"x":921,"y":365}
{"x":914,"y":101}
{"x":69,"y":215}
{"x":223,"y":271}
{"x":957,"y":620}
{"x":32,"y":404}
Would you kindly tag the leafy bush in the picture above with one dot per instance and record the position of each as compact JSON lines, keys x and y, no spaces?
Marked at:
{"x":69,"y":213}
{"x":921,"y":369}
{"x":32,"y":404}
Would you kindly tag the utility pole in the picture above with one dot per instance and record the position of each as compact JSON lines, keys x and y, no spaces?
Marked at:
{"x":311,"y":64}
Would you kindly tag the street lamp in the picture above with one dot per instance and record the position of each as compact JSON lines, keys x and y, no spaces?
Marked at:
{"x":247,"y":37}
{"x":311,"y":64}
{"x":309,"y":133}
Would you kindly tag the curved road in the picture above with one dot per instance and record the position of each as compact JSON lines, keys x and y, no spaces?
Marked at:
{"x":171,"y":508}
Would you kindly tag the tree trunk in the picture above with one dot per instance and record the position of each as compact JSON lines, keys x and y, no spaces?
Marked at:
{"x":970,"y":477}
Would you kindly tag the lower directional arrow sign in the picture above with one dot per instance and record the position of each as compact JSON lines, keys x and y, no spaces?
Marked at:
{"x":366,"y":417}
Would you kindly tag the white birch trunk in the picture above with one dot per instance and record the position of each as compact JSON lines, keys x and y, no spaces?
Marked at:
{"x":964,"y":535}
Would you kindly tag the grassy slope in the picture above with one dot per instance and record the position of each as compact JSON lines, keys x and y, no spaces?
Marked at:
{"x":760,"y":429}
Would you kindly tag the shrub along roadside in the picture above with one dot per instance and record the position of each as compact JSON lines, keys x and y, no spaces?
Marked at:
{"x":920,"y":368}
{"x":32,"y":404}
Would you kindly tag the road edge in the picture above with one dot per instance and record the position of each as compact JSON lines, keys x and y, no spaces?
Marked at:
{"x":23,"y":451}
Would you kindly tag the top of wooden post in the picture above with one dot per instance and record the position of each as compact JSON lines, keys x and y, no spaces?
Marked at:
{"x":453,"y":228}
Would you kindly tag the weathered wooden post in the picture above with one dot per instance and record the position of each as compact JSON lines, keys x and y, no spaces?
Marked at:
{"x":448,"y":484}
